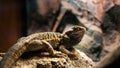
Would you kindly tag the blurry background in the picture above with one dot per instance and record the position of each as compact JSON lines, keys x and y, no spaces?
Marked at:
{"x":24,"y":17}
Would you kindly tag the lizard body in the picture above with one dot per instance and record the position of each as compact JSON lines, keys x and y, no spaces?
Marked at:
{"x":46,"y":41}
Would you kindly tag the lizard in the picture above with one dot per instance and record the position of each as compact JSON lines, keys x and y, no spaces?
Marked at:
{"x":44,"y":41}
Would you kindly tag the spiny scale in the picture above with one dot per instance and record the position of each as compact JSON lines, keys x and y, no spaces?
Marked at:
{"x":47,"y":36}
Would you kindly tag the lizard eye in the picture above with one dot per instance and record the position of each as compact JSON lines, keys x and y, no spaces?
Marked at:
{"x":76,"y":28}
{"x":79,"y":28}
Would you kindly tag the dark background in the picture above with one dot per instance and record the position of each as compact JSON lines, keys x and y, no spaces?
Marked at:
{"x":12,"y":18}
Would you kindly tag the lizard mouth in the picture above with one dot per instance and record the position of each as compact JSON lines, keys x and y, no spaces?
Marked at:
{"x":78,"y":33}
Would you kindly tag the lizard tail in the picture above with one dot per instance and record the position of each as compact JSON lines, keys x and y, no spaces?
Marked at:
{"x":12,"y":55}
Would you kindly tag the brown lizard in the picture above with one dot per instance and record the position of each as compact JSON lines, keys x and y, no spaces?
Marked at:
{"x":44,"y":41}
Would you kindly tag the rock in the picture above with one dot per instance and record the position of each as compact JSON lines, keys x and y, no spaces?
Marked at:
{"x":47,"y":61}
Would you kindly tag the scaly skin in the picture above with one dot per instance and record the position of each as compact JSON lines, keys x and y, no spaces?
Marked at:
{"x":44,"y":41}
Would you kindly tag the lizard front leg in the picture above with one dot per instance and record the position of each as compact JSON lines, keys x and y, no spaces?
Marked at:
{"x":41,"y":44}
{"x":71,"y":52}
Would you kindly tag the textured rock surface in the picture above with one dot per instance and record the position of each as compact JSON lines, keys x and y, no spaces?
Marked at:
{"x":59,"y":61}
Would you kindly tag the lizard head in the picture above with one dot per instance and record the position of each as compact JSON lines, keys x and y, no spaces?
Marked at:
{"x":75,"y":35}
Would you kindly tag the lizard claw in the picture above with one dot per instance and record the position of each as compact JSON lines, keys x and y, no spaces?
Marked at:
{"x":73,"y":56}
{"x":59,"y":55}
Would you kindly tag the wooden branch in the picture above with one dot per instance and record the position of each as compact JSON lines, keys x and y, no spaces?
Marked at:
{"x":59,"y":18}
